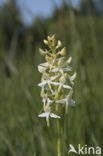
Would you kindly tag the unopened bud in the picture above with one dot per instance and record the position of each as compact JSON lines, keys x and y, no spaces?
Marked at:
{"x":45,"y":42}
{"x":62,"y":52}
{"x":51,"y":38}
{"x":59,"y":44}
{"x":42,"y":52}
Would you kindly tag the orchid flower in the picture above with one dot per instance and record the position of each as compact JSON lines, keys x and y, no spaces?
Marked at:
{"x":47,"y":114}
{"x":57,"y":81}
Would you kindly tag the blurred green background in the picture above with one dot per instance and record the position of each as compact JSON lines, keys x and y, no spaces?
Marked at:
{"x":80,"y":29}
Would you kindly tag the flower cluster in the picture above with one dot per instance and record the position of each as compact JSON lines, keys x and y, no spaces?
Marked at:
{"x":57,"y":79}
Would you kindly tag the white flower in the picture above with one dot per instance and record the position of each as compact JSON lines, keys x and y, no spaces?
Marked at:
{"x":55,"y":69}
{"x":58,"y":84}
{"x":48,"y":81}
{"x":67,"y":87}
{"x":45,"y":98}
{"x":68,"y":68}
{"x":41,"y":69}
{"x":68,"y":101}
{"x":72,"y":78}
{"x":49,"y":101}
{"x":69,"y":60}
{"x":48,"y":114}
{"x":62,"y":80}
{"x":46,"y":64}
{"x":53,"y":77}
{"x":62,"y":65}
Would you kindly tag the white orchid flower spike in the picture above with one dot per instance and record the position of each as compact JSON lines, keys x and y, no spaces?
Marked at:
{"x":57,"y":79}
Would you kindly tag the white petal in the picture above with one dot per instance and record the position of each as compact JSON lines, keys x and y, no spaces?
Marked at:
{"x":49,"y":101}
{"x":41,"y":69}
{"x":61,"y":101}
{"x":53,"y":77}
{"x":73,"y":77}
{"x":47,"y":119}
{"x":67,"y":87}
{"x":64,"y":86}
{"x":55,"y":83}
{"x":52,"y":115}
{"x":44,"y":100}
{"x":72,"y":103}
{"x":42,"y":115}
{"x":55,"y":69}
{"x":69,"y":60}
{"x":42,"y":83}
{"x":46,"y":64}
{"x":67,"y":69}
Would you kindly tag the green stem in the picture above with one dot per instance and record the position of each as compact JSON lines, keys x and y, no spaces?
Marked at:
{"x":59,"y":131}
